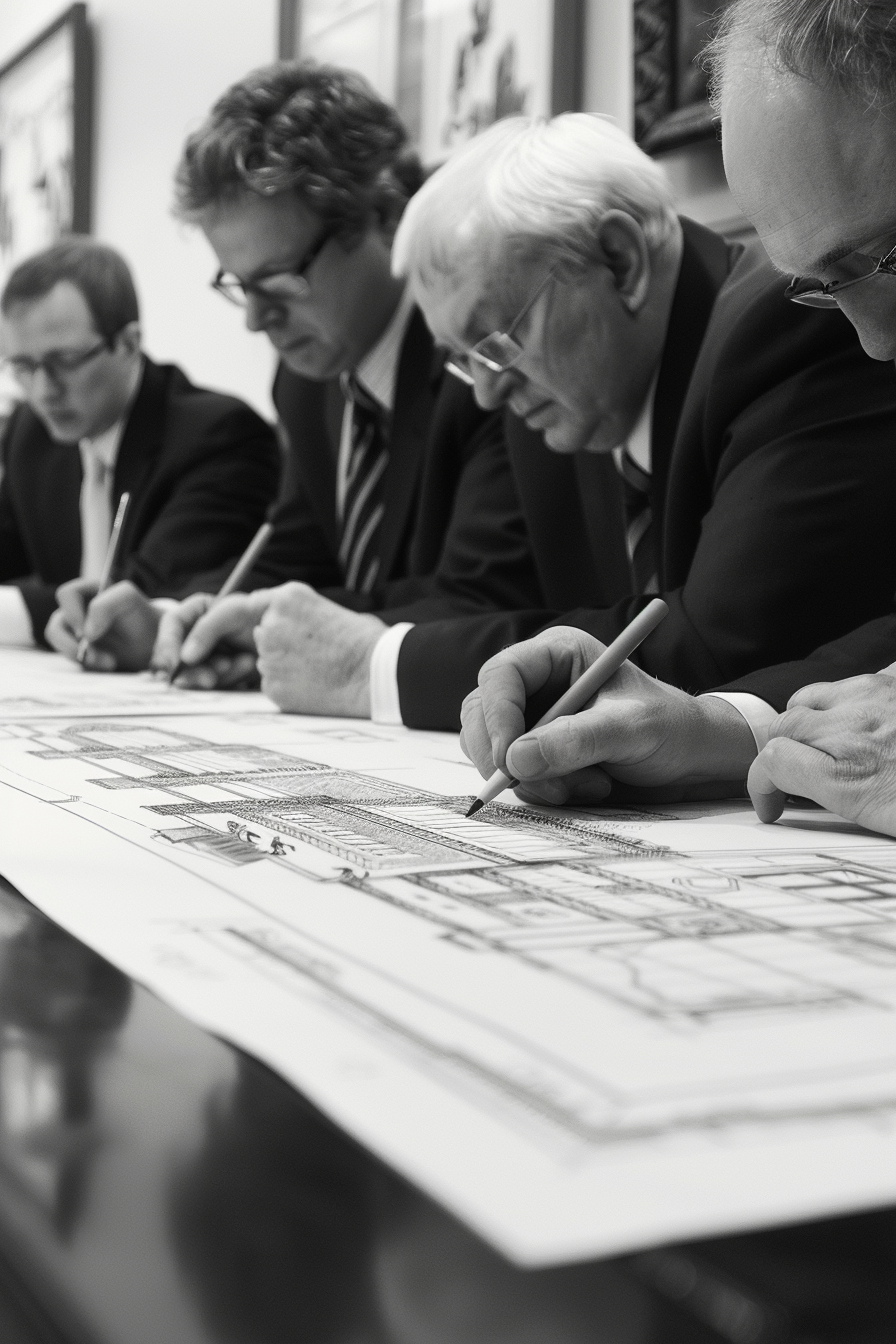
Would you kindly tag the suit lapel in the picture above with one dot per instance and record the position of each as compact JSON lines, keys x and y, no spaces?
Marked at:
{"x":419,"y":368}
{"x":312,"y":414}
{"x":706,"y":262}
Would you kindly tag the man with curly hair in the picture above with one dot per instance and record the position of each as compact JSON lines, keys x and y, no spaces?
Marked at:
{"x":397,"y":492}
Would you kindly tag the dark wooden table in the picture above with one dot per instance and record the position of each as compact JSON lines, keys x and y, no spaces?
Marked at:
{"x":157,"y":1185}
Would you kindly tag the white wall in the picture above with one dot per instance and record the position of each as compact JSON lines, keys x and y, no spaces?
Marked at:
{"x":159,"y":66}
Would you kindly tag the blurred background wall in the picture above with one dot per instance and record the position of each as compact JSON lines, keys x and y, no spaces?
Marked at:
{"x":159,"y":64}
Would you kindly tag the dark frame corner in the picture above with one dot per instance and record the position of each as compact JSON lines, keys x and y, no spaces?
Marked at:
{"x":75,"y":17}
{"x":663,"y":120}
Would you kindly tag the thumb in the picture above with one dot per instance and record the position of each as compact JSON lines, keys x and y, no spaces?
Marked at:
{"x":767,"y":798}
{"x":559,"y":748}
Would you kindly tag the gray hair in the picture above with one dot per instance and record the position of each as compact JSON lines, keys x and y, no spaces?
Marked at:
{"x":850,"y":44}
{"x":531,"y":186}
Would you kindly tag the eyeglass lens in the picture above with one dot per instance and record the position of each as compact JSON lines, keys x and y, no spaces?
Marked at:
{"x":56,"y":366}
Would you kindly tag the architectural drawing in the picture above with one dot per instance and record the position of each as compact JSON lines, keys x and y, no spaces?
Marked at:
{"x":34,"y":684}
{"x":571,"y":991}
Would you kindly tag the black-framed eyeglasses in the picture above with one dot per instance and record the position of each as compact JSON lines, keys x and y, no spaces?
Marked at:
{"x":282,"y":287}
{"x":814,"y":294}
{"x":58,"y":365}
{"x":498,"y":351}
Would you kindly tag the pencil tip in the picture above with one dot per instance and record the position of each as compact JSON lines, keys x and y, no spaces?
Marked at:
{"x":477,"y":803}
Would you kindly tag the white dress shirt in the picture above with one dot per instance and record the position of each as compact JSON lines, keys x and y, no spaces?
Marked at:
{"x":98,"y":458}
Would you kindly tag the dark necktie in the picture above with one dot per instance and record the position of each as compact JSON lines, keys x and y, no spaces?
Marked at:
{"x":362,"y":511}
{"x":638,"y":521}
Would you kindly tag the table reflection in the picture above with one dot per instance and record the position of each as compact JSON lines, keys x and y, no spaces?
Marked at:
{"x":60,"y":1005}
{"x":156,"y":1184}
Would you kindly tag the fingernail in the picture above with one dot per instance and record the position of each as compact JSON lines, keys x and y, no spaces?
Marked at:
{"x":526,"y":759}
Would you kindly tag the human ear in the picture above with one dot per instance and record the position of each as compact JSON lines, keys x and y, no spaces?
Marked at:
{"x":129,"y":337}
{"x":627,"y":256}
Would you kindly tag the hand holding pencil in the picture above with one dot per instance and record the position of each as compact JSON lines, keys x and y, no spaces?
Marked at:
{"x":178,"y":636}
{"x":494,"y":727}
{"x":108,"y":563}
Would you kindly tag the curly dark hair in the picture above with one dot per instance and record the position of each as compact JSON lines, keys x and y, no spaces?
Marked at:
{"x":313,"y":129}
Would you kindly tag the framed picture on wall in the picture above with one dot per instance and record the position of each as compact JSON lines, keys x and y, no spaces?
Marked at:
{"x":671,"y":106}
{"x":452,"y":67}
{"x":45,"y":134}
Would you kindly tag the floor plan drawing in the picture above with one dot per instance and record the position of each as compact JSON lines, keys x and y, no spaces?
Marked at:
{"x":607,"y":1002}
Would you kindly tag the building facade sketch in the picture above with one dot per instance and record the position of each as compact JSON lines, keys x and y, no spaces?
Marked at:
{"x":573,"y":981}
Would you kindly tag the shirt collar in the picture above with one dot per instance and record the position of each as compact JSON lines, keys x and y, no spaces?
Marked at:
{"x":104,"y":447}
{"x":639,"y":446}
{"x":378,"y":370}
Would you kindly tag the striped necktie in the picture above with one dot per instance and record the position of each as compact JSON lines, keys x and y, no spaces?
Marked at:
{"x":639,"y":535}
{"x":362,"y":511}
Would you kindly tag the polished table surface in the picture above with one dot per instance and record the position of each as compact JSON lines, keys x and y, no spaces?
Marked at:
{"x":158,"y":1185}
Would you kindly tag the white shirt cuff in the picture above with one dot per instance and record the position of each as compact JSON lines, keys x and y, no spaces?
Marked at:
{"x":757,"y":713}
{"x":385,"y":706}
{"x":15,"y":623}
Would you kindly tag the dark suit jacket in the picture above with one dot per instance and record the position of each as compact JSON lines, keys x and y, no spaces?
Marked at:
{"x":452,"y":538}
{"x":774,"y":485}
{"x":868,"y":649}
{"x":201,"y":467}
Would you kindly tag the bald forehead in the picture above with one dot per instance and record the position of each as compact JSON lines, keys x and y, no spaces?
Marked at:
{"x":814,"y":172}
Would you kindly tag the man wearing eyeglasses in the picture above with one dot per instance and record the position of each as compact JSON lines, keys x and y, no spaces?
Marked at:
{"x":397,"y":492}
{"x":751,"y":435}
{"x":99,"y":418}
{"x":807,"y":90}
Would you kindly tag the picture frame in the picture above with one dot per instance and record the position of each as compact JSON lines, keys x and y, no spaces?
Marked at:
{"x":46,"y":110}
{"x":452,"y":67}
{"x":671,"y":107}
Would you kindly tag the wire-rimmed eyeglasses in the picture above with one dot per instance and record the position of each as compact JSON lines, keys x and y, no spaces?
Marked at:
{"x":281,"y":287}
{"x":498,"y":351}
{"x":818,"y":295}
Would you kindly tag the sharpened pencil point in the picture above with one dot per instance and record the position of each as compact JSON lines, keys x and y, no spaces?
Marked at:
{"x":477,"y":803}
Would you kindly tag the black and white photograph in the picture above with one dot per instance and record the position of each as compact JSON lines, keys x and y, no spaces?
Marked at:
{"x":447,"y":672}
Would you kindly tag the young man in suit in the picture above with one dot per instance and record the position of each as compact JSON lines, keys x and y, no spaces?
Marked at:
{"x":397,"y":489}
{"x":548,"y":257}
{"x":99,"y":418}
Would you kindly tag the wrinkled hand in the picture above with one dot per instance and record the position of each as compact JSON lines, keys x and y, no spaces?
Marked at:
{"x":314,"y":656}
{"x":637,"y":731}
{"x":217,"y":642}
{"x":836,"y":744}
{"x":120,"y":625}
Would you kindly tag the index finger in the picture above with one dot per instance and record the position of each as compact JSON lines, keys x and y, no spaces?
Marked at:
{"x":72,"y":600}
{"x":107,"y":607}
{"x":174,"y":627}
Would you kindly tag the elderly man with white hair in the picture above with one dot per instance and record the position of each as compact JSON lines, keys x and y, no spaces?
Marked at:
{"x":710,"y":441}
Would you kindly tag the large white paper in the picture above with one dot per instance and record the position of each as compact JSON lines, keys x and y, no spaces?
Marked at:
{"x":583,"y":1033}
{"x":35,"y":684}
